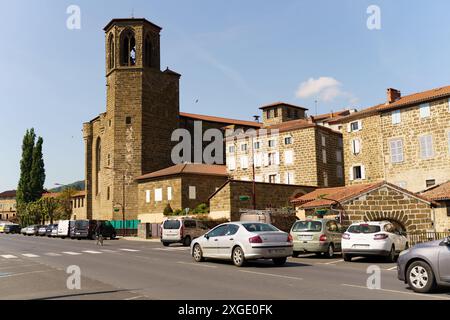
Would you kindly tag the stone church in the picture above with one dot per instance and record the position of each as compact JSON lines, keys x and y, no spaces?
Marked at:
{"x":133,"y":136}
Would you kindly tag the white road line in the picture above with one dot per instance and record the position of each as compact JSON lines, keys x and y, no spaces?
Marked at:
{"x":130,"y":250}
{"x":171,"y":249}
{"x":332,"y":262}
{"x":70,"y":253}
{"x":19,"y":266}
{"x":52,"y":254}
{"x":395,"y":291}
{"x":92,"y":252}
{"x":30,"y":255}
{"x":196,"y":264}
{"x":9,"y":256}
{"x":109,"y":251}
{"x":272,"y":275}
{"x":134,"y":298}
{"x":24,"y":273}
{"x":392,"y":269}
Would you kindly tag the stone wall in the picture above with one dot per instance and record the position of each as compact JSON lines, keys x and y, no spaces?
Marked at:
{"x":442,"y":217}
{"x":7,"y":209}
{"x":226,"y":202}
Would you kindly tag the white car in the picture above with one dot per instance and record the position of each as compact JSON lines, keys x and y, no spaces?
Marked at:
{"x":242,"y":241}
{"x":375,"y":238}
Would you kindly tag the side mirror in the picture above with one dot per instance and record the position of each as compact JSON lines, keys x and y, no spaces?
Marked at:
{"x":446,"y":241}
{"x":207,"y":236}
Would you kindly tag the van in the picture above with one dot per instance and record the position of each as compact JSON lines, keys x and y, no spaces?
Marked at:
{"x":181,"y":230}
{"x":64,"y":228}
{"x":85,"y":229}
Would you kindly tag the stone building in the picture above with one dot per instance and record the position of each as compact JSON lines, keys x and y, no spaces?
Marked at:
{"x":227,"y":201}
{"x":133,"y":136}
{"x":288,"y":149}
{"x":405,"y":141}
{"x":370,"y":202}
{"x":78,"y":203}
{"x":440,"y":194}
{"x":8,"y":205}
{"x":183,"y":186}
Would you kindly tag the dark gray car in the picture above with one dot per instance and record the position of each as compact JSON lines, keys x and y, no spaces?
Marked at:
{"x":425,"y":265}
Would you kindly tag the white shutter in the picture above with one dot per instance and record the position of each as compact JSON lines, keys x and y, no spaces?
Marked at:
{"x":169,"y":193}
{"x":289,"y":157}
{"x":360,"y":125}
{"x":277,"y":179}
{"x":147,"y":196}
{"x":192,"y":192}
{"x":351,"y":174}
{"x":277,"y":158}
{"x":396,"y":117}
{"x":266,"y":159}
{"x":158,"y":195}
{"x":349,"y":128}
{"x":363,"y":172}
{"x":231,"y":163}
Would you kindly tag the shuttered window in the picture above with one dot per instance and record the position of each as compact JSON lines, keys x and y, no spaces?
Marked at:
{"x":396,"y":150}
{"x":426,"y":146}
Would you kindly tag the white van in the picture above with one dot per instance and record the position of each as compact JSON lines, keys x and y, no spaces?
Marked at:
{"x":63,"y":228}
{"x":181,"y":230}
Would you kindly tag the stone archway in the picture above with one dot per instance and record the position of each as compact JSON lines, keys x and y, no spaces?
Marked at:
{"x":398,"y":218}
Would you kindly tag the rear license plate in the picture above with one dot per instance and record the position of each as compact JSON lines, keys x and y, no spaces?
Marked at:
{"x":361,"y":246}
{"x":304,"y":238}
{"x":276,"y":250}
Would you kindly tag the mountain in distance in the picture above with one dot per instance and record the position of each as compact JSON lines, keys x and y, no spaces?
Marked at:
{"x":79,"y":185}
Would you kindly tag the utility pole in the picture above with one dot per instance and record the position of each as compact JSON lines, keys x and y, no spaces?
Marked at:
{"x":254,"y":177}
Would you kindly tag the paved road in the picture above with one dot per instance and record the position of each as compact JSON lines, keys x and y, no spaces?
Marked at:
{"x":35,"y":268}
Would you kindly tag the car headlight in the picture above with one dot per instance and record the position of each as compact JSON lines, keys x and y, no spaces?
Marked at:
{"x":404,"y":252}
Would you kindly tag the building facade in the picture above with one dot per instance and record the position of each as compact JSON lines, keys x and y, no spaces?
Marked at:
{"x":8,"y":208}
{"x":287,"y":151}
{"x":134,"y":135}
{"x":405,"y":141}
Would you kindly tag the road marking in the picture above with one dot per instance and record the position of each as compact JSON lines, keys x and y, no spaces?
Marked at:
{"x":30,"y":255}
{"x":52,"y":254}
{"x":92,"y":252}
{"x":196,"y":264}
{"x":109,"y":251}
{"x":24,"y":273}
{"x":171,"y":249}
{"x":272,"y":275}
{"x":130,"y":250}
{"x":134,"y":298}
{"x":396,"y":291}
{"x":19,"y":266}
{"x":392,"y":269}
{"x":72,"y":253}
{"x":332,"y":262}
{"x":9,"y":256}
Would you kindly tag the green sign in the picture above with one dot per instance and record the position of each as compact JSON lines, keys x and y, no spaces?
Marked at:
{"x":244,"y":198}
{"x":116,"y":209}
{"x":321,"y":212}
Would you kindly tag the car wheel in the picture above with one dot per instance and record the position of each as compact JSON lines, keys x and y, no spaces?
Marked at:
{"x":318,"y":254}
{"x":187,"y":241}
{"x":197,"y":253}
{"x":330,"y":251}
{"x":295,"y":254}
{"x":347,"y":257}
{"x":165,"y":244}
{"x":420,"y":277}
{"x":392,"y":255}
{"x":238,"y":257}
{"x":279,"y":261}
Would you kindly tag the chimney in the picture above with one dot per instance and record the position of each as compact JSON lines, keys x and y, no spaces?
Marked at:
{"x":393,"y":95}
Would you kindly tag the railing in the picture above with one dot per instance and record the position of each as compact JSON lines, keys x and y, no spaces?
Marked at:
{"x":421,"y":237}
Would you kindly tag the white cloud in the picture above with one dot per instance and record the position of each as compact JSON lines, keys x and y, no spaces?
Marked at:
{"x":326,"y":89}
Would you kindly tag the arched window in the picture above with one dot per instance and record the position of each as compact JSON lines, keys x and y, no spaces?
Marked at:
{"x":128,"y":48}
{"x":98,"y":163}
{"x":148,"y":51}
{"x":111,"y":53}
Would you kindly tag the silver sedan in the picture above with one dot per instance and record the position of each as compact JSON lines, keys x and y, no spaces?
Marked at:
{"x":243,"y":241}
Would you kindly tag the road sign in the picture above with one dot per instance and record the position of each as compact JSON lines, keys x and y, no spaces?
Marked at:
{"x":321,"y":212}
{"x":116,"y":209}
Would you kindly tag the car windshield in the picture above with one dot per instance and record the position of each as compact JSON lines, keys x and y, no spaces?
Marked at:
{"x":308,"y":226}
{"x":81,"y":224}
{"x":259,"y":227}
{"x":364,"y":228}
{"x":171,"y":224}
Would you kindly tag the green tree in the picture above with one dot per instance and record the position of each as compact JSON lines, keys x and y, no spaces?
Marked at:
{"x":64,"y":210}
{"x":24,"y":194}
{"x":37,"y":176}
{"x":49,"y":207}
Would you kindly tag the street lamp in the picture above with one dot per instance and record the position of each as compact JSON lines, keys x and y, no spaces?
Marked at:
{"x":123,"y":204}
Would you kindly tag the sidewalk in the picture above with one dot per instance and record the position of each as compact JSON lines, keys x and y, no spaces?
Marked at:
{"x":139,"y":239}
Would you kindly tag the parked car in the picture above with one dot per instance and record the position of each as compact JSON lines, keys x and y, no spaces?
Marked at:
{"x":85,"y":229}
{"x":243,"y":241}
{"x":181,"y":230}
{"x":375,"y":238}
{"x":425,"y":266}
{"x":3,"y":225}
{"x":12,"y":228}
{"x":50,"y":228}
{"x":23,"y":231}
{"x":64,"y":228}
{"x":42,"y":230}
{"x":32,"y":230}
{"x":319,"y":236}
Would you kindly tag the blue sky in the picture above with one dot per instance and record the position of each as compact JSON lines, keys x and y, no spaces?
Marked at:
{"x":233,"y":55}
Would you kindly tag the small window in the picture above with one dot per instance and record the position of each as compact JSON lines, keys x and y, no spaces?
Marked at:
{"x":290,"y":178}
{"x":275,"y":112}
{"x":356,"y":146}
{"x":244,"y":147}
{"x":268,"y":114}
{"x":108,"y":194}
{"x":110,"y":123}
{"x":425,"y":110}
{"x":109,"y":159}
{"x":355,"y":126}
{"x":396,"y":117}
{"x":358,"y":173}
{"x":288,"y":140}
{"x":147,"y":196}
{"x":231,"y":149}
{"x":289,"y":157}
{"x":192,"y":192}
{"x":324,"y":141}
{"x":426,"y":146}
{"x":272,"y":178}
{"x":339,"y":171}
{"x":158,"y":195}
{"x":231,"y":230}
{"x":396,"y":150}
{"x":272,"y":143}
{"x":339,"y":156}
{"x":430,"y":183}
{"x":128,"y":120}
{"x":324,"y":155}
{"x":231,"y":163}
{"x":257,"y":145}
{"x":169,"y":193}
{"x":325,"y":179}
{"x":244,"y":162}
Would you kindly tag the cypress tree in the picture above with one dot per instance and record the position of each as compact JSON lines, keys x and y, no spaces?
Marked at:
{"x":24,"y":194}
{"x":37,"y":177}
